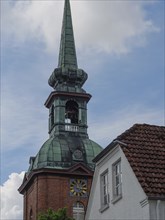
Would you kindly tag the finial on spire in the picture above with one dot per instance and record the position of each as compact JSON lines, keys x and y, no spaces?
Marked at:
{"x":67,"y":54}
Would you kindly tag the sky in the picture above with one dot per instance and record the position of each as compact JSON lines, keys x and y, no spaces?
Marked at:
{"x":120,"y":44}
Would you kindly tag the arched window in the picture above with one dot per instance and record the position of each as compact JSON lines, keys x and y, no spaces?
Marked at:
{"x":78,"y":211}
{"x":31,"y":215}
{"x":71,"y":112}
{"x":52,"y":115}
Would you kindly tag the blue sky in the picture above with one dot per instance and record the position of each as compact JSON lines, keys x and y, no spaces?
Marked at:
{"x":120,"y":44}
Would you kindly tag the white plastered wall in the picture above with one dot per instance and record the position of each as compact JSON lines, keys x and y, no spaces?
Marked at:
{"x":132,"y":205}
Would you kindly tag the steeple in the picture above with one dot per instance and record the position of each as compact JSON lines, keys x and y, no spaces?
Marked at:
{"x":67,"y":55}
{"x":67,"y":77}
{"x":60,"y":175}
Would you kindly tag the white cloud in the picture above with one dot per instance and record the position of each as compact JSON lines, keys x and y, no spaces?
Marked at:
{"x":112,"y":26}
{"x":11,"y":200}
{"x":108,"y":26}
{"x":26,"y":20}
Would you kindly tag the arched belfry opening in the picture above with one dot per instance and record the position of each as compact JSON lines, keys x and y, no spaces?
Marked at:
{"x":71,"y":112}
{"x":52,"y":115}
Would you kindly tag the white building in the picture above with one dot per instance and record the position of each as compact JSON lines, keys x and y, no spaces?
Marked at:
{"x":129,"y":178}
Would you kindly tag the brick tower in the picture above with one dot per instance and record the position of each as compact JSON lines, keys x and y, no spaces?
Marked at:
{"x":60,"y":175}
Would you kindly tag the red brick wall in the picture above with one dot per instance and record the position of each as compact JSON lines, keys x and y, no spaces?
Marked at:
{"x":51,"y":191}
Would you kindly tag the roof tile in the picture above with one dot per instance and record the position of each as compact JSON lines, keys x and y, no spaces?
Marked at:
{"x":145,"y":151}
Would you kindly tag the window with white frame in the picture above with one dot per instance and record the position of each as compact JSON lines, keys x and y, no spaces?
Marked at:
{"x":104,"y":190}
{"x":117,"y":179}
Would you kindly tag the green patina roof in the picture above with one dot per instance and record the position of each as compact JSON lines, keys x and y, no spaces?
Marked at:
{"x":58,"y":152}
{"x":67,"y":54}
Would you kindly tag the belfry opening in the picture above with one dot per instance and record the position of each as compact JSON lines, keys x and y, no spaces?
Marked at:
{"x":71,"y":112}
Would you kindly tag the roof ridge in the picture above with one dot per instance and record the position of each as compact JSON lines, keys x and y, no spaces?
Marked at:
{"x":134,"y":127}
{"x":150,"y":125}
{"x":119,"y":137}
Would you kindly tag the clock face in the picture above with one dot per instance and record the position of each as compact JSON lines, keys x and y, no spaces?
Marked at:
{"x":78,"y":187}
{"x":78,"y":154}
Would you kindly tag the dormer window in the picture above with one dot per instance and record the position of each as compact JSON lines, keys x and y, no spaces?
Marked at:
{"x":71,"y":112}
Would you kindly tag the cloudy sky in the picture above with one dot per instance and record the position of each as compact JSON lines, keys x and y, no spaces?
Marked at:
{"x":120,"y":44}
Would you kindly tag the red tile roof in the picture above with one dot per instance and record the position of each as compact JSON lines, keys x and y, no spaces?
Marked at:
{"x":145,"y":151}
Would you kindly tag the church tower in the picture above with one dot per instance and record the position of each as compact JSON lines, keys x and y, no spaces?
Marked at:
{"x":60,"y":175}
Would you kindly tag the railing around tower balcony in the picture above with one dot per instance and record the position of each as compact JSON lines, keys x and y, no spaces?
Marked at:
{"x":71,"y":127}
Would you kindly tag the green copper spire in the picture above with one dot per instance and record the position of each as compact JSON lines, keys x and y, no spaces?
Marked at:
{"x":67,"y":77}
{"x":67,"y":55}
